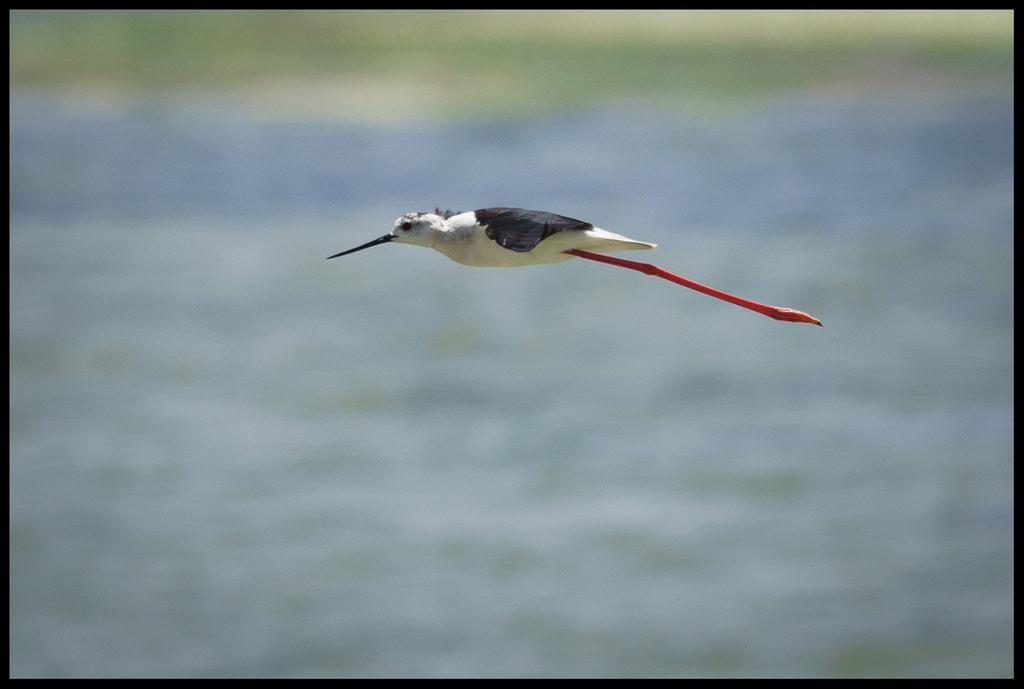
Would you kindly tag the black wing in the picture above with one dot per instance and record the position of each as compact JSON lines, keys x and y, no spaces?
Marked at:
{"x":519,"y":229}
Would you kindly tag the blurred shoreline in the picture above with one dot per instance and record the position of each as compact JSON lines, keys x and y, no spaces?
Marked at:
{"x":399,"y":66}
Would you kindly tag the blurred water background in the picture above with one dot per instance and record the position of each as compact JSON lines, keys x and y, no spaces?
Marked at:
{"x":232,"y":458}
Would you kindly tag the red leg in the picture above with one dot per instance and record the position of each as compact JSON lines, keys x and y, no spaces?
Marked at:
{"x":777,"y":312}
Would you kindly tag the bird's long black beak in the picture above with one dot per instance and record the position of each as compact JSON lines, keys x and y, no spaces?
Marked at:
{"x":379,"y":240}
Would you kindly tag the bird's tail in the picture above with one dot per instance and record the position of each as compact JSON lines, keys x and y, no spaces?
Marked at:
{"x":605,"y":241}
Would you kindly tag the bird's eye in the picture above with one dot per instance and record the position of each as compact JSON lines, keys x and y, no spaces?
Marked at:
{"x":407,"y":225}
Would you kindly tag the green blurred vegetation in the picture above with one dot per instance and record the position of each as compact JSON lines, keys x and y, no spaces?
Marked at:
{"x":461,"y":63}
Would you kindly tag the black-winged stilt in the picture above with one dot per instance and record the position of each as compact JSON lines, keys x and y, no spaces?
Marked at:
{"x":508,"y":237}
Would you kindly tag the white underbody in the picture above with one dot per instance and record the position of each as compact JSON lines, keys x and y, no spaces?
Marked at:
{"x":467,"y":243}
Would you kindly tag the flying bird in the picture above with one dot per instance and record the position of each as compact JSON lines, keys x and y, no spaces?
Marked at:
{"x":510,"y":237}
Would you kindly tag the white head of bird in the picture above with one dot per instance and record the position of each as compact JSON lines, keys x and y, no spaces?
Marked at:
{"x":421,"y":229}
{"x":508,"y":237}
